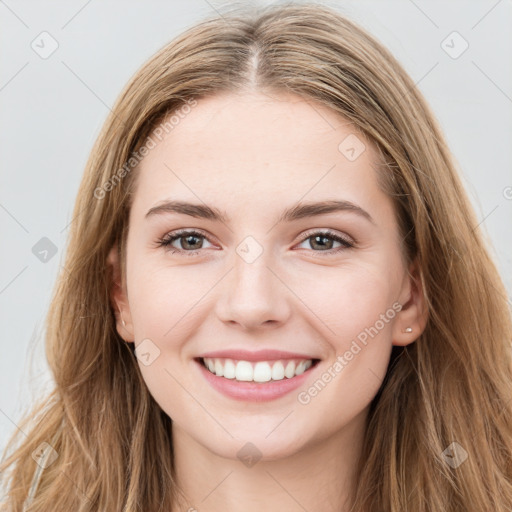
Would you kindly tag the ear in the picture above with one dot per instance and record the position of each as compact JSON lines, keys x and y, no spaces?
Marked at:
{"x":414,"y":313}
{"x":119,"y":298}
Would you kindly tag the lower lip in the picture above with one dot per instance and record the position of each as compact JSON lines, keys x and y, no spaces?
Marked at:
{"x":254,"y":391}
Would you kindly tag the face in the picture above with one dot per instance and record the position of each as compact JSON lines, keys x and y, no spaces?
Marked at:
{"x":262,"y":271}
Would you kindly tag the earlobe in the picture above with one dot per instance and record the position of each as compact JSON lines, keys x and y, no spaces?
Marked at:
{"x":412,"y":318}
{"x":118,"y":297}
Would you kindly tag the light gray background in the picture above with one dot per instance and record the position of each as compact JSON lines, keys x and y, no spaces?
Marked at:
{"x":52,"y":110}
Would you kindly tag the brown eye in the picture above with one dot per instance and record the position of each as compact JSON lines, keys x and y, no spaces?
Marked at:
{"x":323,"y":241}
{"x":190,"y":241}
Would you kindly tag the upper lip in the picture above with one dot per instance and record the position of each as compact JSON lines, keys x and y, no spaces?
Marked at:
{"x":258,"y":355}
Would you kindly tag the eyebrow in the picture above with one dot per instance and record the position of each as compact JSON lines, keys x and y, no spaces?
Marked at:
{"x":296,"y":212}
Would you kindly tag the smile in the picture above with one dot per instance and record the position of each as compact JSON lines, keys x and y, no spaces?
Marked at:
{"x":255,"y":381}
{"x":260,"y":371}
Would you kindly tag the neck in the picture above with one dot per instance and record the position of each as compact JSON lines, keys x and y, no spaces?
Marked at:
{"x":318,"y":476}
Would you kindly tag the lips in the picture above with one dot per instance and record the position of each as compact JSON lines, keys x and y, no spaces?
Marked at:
{"x":255,"y":376}
{"x":259,"y":355}
{"x":256,"y":386}
{"x":259,"y":366}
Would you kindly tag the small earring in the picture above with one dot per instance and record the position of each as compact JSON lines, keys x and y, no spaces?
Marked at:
{"x":122,"y":319}
{"x":409,"y":329}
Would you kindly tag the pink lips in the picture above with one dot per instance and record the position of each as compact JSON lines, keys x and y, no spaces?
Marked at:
{"x":254,"y":391}
{"x":259,"y":355}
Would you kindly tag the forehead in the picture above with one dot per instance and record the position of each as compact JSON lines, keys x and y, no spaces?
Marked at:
{"x":254,"y":144}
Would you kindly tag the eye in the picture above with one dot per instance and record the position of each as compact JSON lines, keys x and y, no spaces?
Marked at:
{"x":320,"y":239}
{"x":190,"y":241}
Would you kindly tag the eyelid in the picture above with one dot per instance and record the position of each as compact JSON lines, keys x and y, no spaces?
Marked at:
{"x":329,"y":232}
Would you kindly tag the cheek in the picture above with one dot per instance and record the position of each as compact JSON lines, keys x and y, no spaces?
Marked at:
{"x":164,"y":308}
{"x":345,"y":301}
{"x":356,"y":323}
{"x":165,"y":299}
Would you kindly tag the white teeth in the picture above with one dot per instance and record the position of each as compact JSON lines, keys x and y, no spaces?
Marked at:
{"x":289,"y":371}
{"x":229,"y":369}
{"x":243,"y":371}
{"x":261,"y":371}
{"x":300,"y":368}
{"x":278,"y":371}
{"x":219,"y":369}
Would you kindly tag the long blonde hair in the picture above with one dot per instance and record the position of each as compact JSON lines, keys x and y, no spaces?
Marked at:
{"x":453,"y":385}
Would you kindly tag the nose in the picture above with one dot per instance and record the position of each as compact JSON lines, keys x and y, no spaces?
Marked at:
{"x":253,"y":295}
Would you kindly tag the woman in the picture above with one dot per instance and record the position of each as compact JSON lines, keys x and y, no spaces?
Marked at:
{"x":275,"y":296}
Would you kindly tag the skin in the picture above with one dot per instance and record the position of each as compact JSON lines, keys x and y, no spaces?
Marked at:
{"x":253,"y":155}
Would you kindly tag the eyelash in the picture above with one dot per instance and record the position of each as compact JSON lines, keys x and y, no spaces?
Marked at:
{"x":168,"y":239}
